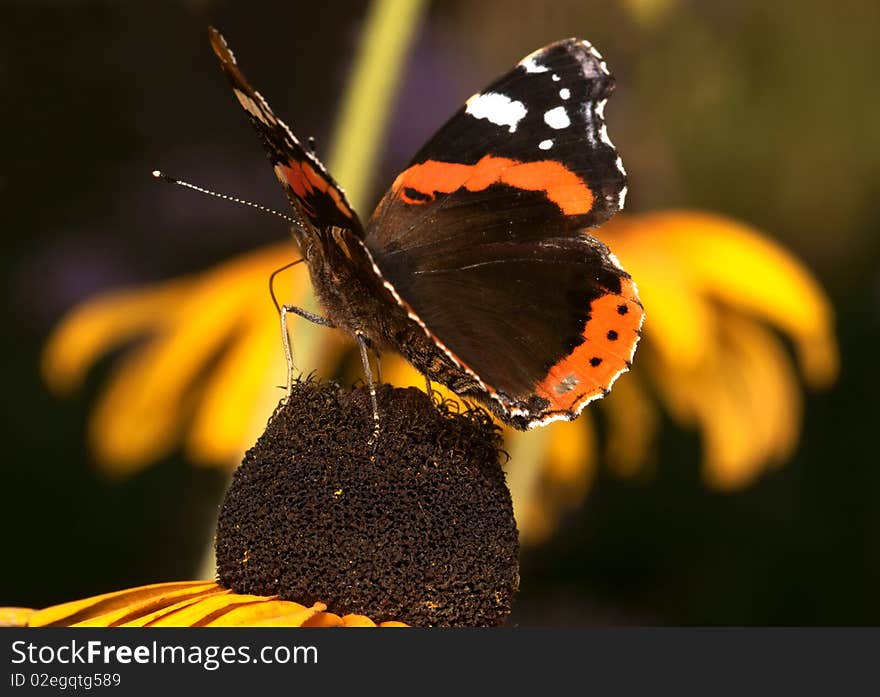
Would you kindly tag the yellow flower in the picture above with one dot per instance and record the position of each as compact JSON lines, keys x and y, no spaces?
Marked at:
{"x":182,"y":604}
{"x":718,"y":295}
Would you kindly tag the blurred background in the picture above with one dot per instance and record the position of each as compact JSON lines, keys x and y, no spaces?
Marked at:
{"x":761,"y":113}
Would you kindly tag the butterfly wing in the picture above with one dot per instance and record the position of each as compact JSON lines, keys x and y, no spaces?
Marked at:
{"x":484,"y":238}
{"x":313,"y":194}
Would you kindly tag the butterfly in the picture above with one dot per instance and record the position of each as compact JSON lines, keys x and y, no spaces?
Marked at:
{"x":476,"y":265}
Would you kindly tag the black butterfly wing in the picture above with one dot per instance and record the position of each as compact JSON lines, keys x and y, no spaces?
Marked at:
{"x":313,"y":194}
{"x":483,"y":236}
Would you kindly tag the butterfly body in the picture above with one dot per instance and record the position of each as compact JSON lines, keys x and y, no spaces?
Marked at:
{"x":477,"y":265}
{"x":360,"y":303}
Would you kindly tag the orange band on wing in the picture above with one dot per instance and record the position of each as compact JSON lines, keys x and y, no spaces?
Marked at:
{"x":561,"y":186}
{"x":609,"y":339}
{"x":304,"y":181}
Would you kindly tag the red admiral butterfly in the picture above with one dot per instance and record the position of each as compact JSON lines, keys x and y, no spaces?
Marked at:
{"x":476,"y":265}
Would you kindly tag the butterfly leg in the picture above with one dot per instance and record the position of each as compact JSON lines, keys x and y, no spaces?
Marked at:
{"x":365,"y":359}
{"x":378,"y":366}
{"x":428,"y":388}
{"x":285,"y":335}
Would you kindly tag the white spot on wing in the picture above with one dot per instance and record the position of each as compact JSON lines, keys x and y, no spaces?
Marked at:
{"x":557,"y":118}
{"x":497,"y":108}
{"x":600,"y":108}
{"x":598,"y":56}
{"x":565,"y":93}
{"x":556,"y":77}
{"x":531,"y":65}
{"x":545,"y":144}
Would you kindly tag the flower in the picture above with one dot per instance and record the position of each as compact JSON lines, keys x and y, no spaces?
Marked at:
{"x":420,"y":530}
{"x":714,"y":286}
{"x":182,"y":604}
{"x":718,"y":295}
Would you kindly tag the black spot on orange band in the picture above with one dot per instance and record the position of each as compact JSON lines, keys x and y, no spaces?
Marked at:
{"x":609,"y":338}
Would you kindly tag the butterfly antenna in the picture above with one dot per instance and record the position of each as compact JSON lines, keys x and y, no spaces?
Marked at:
{"x":161,"y":176}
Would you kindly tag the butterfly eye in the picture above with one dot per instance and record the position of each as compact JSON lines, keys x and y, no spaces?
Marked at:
{"x":411,"y":195}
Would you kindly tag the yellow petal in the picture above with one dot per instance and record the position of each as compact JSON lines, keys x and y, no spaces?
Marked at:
{"x":535,"y":522}
{"x":569,"y":465}
{"x":142,"y":410}
{"x":550,"y":471}
{"x":186,"y":604}
{"x":746,"y":402}
{"x":15,"y":616}
{"x":324,"y":619}
{"x":147,"y":616}
{"x":292,"y":618}
{"x":256,"y":613}
{"x":145,"y":405}
{"x":763,"y":388}
{"x":679,"y":321}
{"x":633,"y":422}
{"x":141,"y":614}
{"x":243,"y":390}
{"x":80,"y":610}
{"x":396,"y":371}
{"x":224,"y":420}
{"x":526,"y":452}
{"x":734,"y":263}
{"x":98,"y":325}
{"x":568,"y":469}
{"x":219,"y":610}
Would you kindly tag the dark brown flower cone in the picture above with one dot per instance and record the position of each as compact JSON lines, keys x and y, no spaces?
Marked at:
{"x":422,"y":531}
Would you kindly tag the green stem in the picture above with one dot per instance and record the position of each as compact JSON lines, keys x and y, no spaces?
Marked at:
{"x":363,"y":118}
